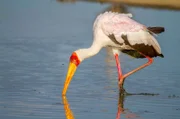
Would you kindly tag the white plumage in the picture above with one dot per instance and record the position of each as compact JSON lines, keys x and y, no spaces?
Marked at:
{"x":116,"y":24}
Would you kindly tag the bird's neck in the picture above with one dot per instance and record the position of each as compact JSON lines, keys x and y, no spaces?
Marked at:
{"x":89,"y":52}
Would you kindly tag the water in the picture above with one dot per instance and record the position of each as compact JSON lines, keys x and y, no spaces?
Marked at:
{"x":36,"y":40}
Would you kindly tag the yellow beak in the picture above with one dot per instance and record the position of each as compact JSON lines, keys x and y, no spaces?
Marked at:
{"x":71,"y":70}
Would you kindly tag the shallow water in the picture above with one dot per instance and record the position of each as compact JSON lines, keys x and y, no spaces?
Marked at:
{"x":36,"y":40}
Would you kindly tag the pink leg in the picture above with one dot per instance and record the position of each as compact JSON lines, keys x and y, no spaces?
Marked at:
{"x":118,"y":67}
{"x":150,"y":61}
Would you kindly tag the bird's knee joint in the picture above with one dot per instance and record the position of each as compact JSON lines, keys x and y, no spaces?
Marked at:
{"x":150,"y":61}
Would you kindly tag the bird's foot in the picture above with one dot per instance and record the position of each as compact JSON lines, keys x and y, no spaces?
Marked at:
{"x":121,"y":81}
{"x":121,"y":88}
{"x":123,"y":91}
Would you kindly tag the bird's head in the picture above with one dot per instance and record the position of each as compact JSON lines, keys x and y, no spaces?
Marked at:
{"x":74,"y":61}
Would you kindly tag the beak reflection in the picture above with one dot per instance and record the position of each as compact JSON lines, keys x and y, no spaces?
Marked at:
{"x":67,"y":110}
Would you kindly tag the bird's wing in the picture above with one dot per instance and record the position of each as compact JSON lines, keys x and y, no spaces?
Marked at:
{"x":143,"y":42}
{"x":129,"y":32}
{"x":141,"y":38}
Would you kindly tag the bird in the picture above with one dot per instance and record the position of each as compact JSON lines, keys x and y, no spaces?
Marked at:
{"x":123,"y":35}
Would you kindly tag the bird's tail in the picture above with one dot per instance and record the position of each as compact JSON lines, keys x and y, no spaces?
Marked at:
{"x":156,"y":30}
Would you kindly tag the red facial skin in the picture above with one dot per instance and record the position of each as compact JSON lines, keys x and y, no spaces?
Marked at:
{"x":74,"y":59}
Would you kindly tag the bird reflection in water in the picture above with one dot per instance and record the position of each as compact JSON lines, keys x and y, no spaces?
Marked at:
{"x":67,"y":110}
{"x":120,"y":106}
{"x":69,"y":113}
{"x":120,"y":109}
